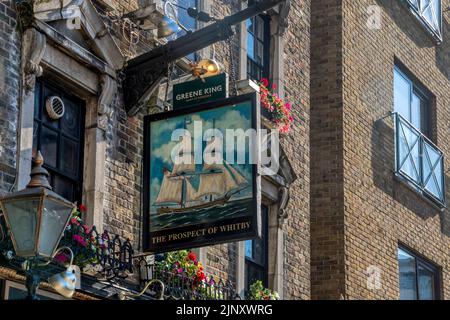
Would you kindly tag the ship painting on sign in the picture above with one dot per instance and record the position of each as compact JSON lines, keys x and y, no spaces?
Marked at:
{"x":217,"y":183}
{"x":209,"y":190}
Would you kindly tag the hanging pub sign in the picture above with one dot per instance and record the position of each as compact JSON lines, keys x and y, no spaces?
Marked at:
{"x":198,"y":91}
{"x":201,"y":184}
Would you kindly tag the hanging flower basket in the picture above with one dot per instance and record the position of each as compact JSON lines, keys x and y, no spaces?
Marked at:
{"x":279,"y":112}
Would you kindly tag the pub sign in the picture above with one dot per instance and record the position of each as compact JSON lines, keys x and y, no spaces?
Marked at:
{"x":201,"y":185}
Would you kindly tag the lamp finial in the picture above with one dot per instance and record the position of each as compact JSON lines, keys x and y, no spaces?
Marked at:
{"x":38,"y":174}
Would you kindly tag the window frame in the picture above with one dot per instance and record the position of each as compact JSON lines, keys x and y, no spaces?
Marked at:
{"x":193,"y":56}
{"x":424,"y":142}
{"x":436,"y":34}
{"x":8,"y":284}
{"x":37,"y":118}
{"x":265,"y":67}
{"x":248,"y":260}
{"x":420,"y":260}
{"x":419,"y":90}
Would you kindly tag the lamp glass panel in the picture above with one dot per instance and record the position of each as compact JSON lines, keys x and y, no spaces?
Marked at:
{"x":53,"y":222}
{"x":22,"y":218}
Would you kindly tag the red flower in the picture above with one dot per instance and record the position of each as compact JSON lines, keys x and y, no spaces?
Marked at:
{"x":79,"y":239}
{"x":61,"y":258}
{"x":83,"y":208}
{"x":265,"y":82}
{"x":74,"y":221}
{"x":191,"y":256}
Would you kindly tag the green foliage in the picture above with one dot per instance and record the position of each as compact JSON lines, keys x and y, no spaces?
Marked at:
{"x":258,"y":292}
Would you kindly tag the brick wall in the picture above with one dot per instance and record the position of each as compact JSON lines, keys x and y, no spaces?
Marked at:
{"x":360,"y":213}
{"x":296,"y":144}
{"x":380,"y":212}
{"x":327,"y":205}
{"x":9,"y":93}
{"x":221,"y":259}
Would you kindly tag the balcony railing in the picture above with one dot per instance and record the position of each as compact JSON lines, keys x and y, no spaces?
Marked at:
{"x":180,"y":287}
{"x":419,"y":161}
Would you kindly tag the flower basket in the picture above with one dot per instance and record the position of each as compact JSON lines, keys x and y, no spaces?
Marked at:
{"x":277,"y":112}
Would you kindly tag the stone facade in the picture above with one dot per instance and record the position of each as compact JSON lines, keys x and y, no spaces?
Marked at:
{"x":9,"y":93}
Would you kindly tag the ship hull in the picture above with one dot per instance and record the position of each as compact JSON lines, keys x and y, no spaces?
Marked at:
{"x":218,"y":202}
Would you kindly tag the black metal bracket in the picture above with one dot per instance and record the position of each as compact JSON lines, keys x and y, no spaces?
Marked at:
{"x":144,"y":73}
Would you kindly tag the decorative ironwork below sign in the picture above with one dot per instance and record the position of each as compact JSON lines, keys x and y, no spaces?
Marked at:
{"x":200,"y":91}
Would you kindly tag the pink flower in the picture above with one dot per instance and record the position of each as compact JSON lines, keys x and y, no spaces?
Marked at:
{"x":288,"y":105}
{"x":180,"y":270}
{"x":274,"y":86}
{"x":74,"y":221}
{"x":86,"y":228}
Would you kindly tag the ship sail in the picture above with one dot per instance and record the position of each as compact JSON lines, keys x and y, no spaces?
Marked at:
{"x":212,"y":150}
{"x":185,"y":158}
{"x":226,"y":181}
{"x":210,"y":184}
{"x":170,"y":191}
{"x":191,"y":194}
{"x":239,"y":178}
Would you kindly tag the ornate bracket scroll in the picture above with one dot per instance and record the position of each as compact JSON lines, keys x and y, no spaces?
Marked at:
{"x":104,"y":109}
{"x":282,"y":204}
{"x":33,"y":48}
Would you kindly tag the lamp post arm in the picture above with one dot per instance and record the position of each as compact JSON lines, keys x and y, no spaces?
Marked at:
{"x":143,"y":73}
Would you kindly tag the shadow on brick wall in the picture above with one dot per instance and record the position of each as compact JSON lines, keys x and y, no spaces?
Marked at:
{"x":404,"y":19}
{"x":443,"y":50}
{"x":383,"y":163}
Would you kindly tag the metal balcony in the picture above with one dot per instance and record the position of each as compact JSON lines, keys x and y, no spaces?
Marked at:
{"x":419,"y":161}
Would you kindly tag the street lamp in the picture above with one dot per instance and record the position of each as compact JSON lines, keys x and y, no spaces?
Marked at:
{"x":36,"y":218}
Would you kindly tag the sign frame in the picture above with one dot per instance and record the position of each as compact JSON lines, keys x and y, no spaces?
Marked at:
{"x":197,"y":84}
{"x":255,"y":224}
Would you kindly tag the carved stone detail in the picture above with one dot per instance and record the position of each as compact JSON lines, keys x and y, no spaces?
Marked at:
{"x":282,"y":204}
{"x":33,"y":48}
{"x":104,"y":109}
{"x":283,"y":21}
{"x":25,"y":13}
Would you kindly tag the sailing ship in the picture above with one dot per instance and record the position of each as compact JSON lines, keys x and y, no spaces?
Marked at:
{"x":217,"y":183}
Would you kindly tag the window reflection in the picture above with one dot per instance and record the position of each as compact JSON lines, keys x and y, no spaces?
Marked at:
{"x":417,"y":277}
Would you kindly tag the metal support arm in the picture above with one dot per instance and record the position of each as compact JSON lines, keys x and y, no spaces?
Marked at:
{"x":144,"y":73}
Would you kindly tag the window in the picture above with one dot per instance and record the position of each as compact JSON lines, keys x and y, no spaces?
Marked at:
{"x":258,"y":47}
{"x":411,"y":102}
{"x":417,"y":160}
{"x":188,"y":22}
{"x":418,"y":279}
{"x":256,"y":254}
{"x":17,"y":291}
{"x":60,"y":141}
{"x":430,"y":14}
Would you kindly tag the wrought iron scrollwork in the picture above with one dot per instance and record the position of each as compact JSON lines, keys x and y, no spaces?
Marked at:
{"x":181,"y":287}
